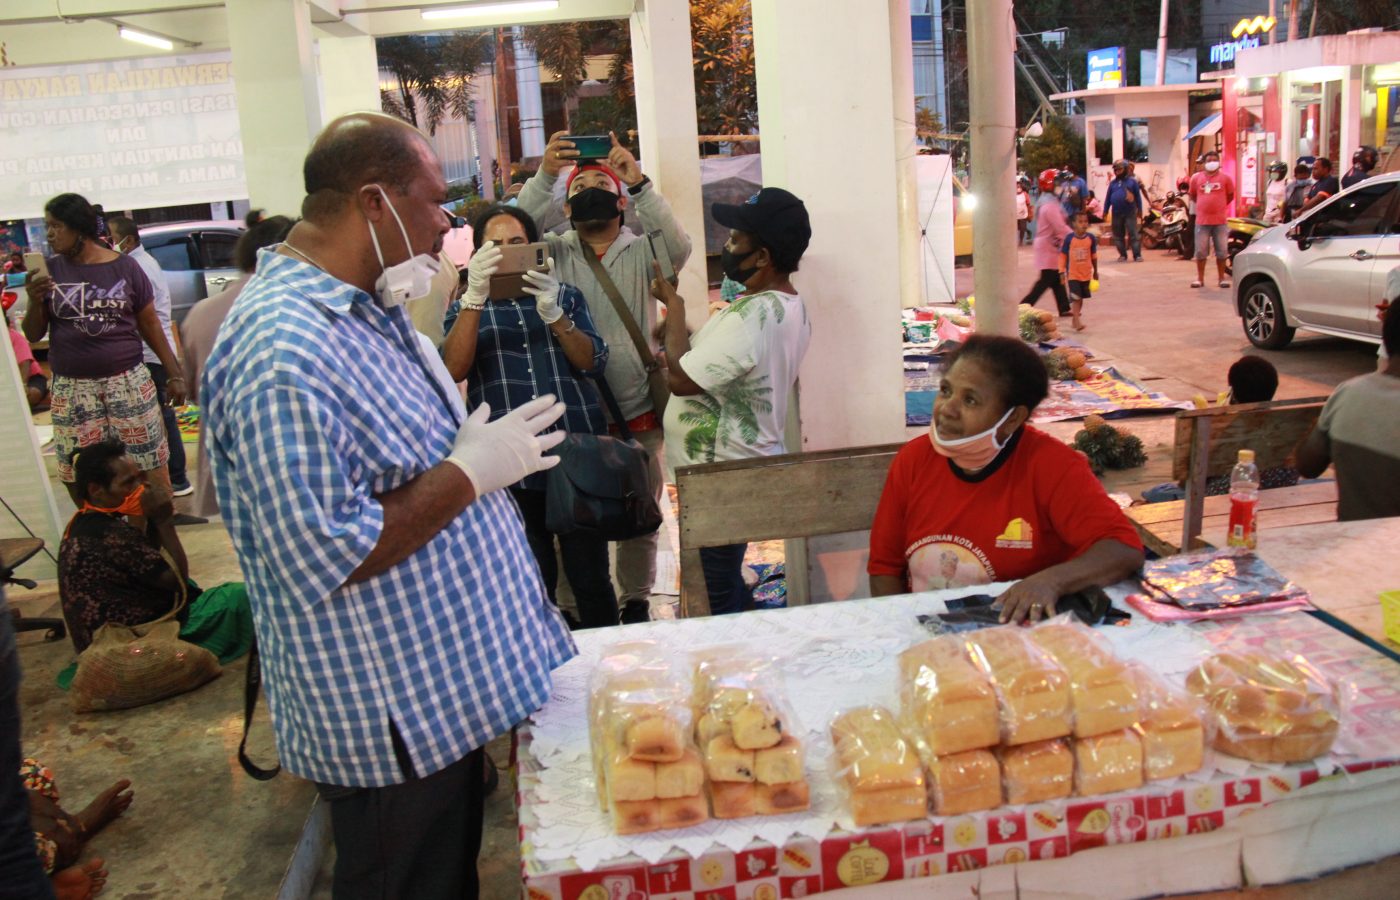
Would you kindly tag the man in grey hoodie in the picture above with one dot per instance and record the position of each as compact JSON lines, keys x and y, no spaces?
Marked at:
{"x":593,"y":202}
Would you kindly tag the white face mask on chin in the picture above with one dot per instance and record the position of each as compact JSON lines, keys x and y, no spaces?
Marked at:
{"x":409,"y":280}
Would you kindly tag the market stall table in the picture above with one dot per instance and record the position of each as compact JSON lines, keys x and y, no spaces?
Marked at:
{"x":843,"y":654}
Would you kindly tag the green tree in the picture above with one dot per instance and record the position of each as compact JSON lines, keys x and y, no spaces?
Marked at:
{"x":726,"y":90}
{"x":434,"y":71}
{"x":1058,"y":144}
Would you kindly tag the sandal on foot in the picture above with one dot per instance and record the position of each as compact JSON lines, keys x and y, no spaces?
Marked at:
{"x":1224,"y":284}
{"x":1196,"y":284}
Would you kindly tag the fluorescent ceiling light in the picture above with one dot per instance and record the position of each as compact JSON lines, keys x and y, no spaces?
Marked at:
{"x":141,"y":37}
{"x":490,"y":9}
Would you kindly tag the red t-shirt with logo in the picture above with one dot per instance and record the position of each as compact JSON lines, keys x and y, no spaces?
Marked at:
{"x":1041,"y":507}
{"x":1213,"y":193}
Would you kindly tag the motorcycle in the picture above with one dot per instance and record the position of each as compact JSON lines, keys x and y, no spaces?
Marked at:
{"x":1176,"y":226}
{"x":1242,"y":231}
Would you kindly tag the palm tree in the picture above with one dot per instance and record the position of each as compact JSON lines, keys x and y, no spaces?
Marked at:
{"x":435,"y":70}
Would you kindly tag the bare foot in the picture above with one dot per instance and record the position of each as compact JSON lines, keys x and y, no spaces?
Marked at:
{"x":107,"y":806}
{"x":80,"y":882}
{"x":1078,"y":325}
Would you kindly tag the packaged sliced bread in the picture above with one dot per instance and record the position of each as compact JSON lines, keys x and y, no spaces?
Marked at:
{"x":1170,"y":723}
{"x":1033,"y":691}
{"x":1102,"y":694}
{"x":878,"y":767}
{"x":1267,"y":708}
{"x":948,"y":703}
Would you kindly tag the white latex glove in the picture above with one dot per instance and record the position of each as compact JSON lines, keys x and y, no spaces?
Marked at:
{"x":497,"y":454}
{"x":545,"y":288}
{"x":479,"y":271}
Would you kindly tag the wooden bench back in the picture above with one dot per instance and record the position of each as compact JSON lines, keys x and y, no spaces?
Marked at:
{"x":1272,"y":430}
{"x":796,"y":495}
{"x":1208,"y":442}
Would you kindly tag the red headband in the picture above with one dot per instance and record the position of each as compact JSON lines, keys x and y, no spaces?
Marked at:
{"x":579,"y":170}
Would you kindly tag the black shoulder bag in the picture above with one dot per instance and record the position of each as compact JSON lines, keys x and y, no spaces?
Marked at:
{"x":602,"y":484}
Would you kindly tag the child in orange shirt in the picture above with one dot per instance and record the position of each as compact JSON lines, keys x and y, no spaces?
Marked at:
{"x":1079,"y":264}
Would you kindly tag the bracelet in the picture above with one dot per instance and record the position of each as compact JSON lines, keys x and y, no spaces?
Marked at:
{"x":174,"y":378}
{"x":474,"y":307}
{"x":636,"y":189}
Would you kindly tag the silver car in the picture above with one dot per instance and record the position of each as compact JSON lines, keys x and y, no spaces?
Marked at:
{"x":197,"y":258}
{"x":1324,"y":272}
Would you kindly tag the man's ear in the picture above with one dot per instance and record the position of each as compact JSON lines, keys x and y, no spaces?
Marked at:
{"x":622,"y":202}
{"x":370,"y":200}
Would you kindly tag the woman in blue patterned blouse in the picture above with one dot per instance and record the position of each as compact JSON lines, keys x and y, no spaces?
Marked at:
{"x":512,"y":351}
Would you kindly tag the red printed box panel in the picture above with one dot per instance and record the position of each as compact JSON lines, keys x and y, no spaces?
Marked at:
{"x":867,"y":859}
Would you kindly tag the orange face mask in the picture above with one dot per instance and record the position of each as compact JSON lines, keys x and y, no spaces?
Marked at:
{"x":130,"y":505}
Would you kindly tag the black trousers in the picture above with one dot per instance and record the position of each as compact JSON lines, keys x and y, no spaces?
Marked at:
{"x":585,"y":562}
{"x":172,"y":427}
{"x":419,"y":839}
{"x":1049,"y":278}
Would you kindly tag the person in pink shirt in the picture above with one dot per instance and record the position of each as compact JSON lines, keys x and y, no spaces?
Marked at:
{"x":1051,"y":229}
{"x":1213,"y":192}
{"x":36,"y":386}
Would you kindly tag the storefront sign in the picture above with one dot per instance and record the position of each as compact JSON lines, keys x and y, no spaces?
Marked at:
{"x":1246,"y":34}
{"x":1106,"y":68}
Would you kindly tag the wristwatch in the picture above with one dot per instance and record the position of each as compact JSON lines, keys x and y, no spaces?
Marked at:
{"x":636,"y":189}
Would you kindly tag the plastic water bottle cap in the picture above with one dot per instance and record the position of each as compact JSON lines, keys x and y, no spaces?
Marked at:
{"x":1246,"y":456}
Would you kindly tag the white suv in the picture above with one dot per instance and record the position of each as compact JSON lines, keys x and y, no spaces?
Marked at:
{"x":1324,"y":272}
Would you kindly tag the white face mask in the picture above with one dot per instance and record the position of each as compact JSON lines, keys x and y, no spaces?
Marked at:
{"x":409,"y":280}
{"x":974,"y":452}
{"x":1212,"y":166}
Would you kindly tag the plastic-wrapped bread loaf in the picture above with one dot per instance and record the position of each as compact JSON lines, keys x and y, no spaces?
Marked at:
{"x":965,"y":782}
{"x":1267,"y":708}
{"x":878,"y":766}
{"x":755,"y":762}
{"x":1102,"y":694}
{"x":1170,"y":726}
{"x":1032,"y":689}
{"x":649,"y":775}
{"x":1036,"y":772}
{"x":1106,"y":763}
{"x":948,"y":702}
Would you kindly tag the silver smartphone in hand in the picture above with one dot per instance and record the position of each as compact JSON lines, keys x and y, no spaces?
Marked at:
{"x":659,"y":252}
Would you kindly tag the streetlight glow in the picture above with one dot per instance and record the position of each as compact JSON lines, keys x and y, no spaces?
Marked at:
{"x":141,"y":37}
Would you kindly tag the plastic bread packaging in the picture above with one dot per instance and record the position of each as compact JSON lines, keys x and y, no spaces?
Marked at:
{"x":877,"y":767}
{"x":964,"y":782}
{"x":946,"y":702}
{"x":748,"y":735}
{"x":1170,"y":724}
{"x":650,"y":775}
{"x":1037,"y":772}
{"x":1266,"y":707}
{"x":1106,"y":763}
{"x":1033,"y":691}
{"x":1103,"y":697}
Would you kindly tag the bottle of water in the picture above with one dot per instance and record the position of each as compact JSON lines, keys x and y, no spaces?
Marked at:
{"x":1244,"y":502}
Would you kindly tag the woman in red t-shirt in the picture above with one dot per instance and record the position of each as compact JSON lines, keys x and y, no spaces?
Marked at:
{"x":985,"y":498}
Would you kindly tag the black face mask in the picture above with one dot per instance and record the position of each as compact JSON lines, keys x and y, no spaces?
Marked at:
{"x":593,"y":205}
{"x":729,"y":262}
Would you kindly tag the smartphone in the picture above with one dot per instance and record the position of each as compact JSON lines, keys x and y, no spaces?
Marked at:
{"x":34,"y":262}
{"x":517,"y":259}
{"x":659,"y":252}
{"x":591,"y":146}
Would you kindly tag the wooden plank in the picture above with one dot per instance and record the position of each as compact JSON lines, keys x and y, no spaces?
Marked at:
{"x":1215,"y":528}
{"x":1297,"y":495}
{"x":695,"y":602}
{"x":1193,"y":507}
{"x":795,"y":495}
{"x":1271,"y":430}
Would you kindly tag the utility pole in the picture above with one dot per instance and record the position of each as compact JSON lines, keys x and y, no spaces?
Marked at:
{"x":1312,"y":23}
{"x":991,"y":49}
{"x":940,"y":68}
{"x":1293,"y":20}
{"x":1162,"y":44}
{"x":1273,"y":16}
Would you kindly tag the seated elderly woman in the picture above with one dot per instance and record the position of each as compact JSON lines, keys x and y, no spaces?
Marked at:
{"x":987,"y":498}
{"x":120,"y":561}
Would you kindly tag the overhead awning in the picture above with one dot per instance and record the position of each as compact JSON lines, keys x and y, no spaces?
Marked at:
{"x":1209,"y":125}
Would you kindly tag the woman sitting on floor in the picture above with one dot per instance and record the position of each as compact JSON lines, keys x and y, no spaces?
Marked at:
{"x":110,"y":572}
{"x":986,"y":498}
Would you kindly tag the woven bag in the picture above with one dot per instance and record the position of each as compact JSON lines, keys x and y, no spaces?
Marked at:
{"x":133,"y":665}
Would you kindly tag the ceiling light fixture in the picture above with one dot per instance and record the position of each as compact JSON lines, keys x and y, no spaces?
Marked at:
{"x":489,"y":9}
{"x":141,"y":37}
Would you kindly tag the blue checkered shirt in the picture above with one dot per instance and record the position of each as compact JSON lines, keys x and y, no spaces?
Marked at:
{"x":317,"y":400}
{"x":518,"y":359}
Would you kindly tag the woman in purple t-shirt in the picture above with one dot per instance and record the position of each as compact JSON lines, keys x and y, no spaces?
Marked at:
{"x":96,"y":306}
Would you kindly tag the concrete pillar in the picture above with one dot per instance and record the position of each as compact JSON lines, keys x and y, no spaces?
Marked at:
{"x":527,"y":91}
{"x":1350,"y":112}
{"x":666,"y":131}
{"x":349,"y":75}
{"x":831,"y":142}
{"x":906,"y":147}
{"x":484,"y":125}
{"x":1229,"y":123}
{"x":991,"y":47}
{"x":279,"y":111}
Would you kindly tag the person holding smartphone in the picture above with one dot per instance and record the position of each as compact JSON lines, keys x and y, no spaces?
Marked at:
{"x":597,"y":247}
{"x":513,"y":350}
{"x":98,"y":308}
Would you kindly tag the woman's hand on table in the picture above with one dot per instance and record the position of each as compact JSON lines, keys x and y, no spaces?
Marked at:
{"x":1030,"y":599}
